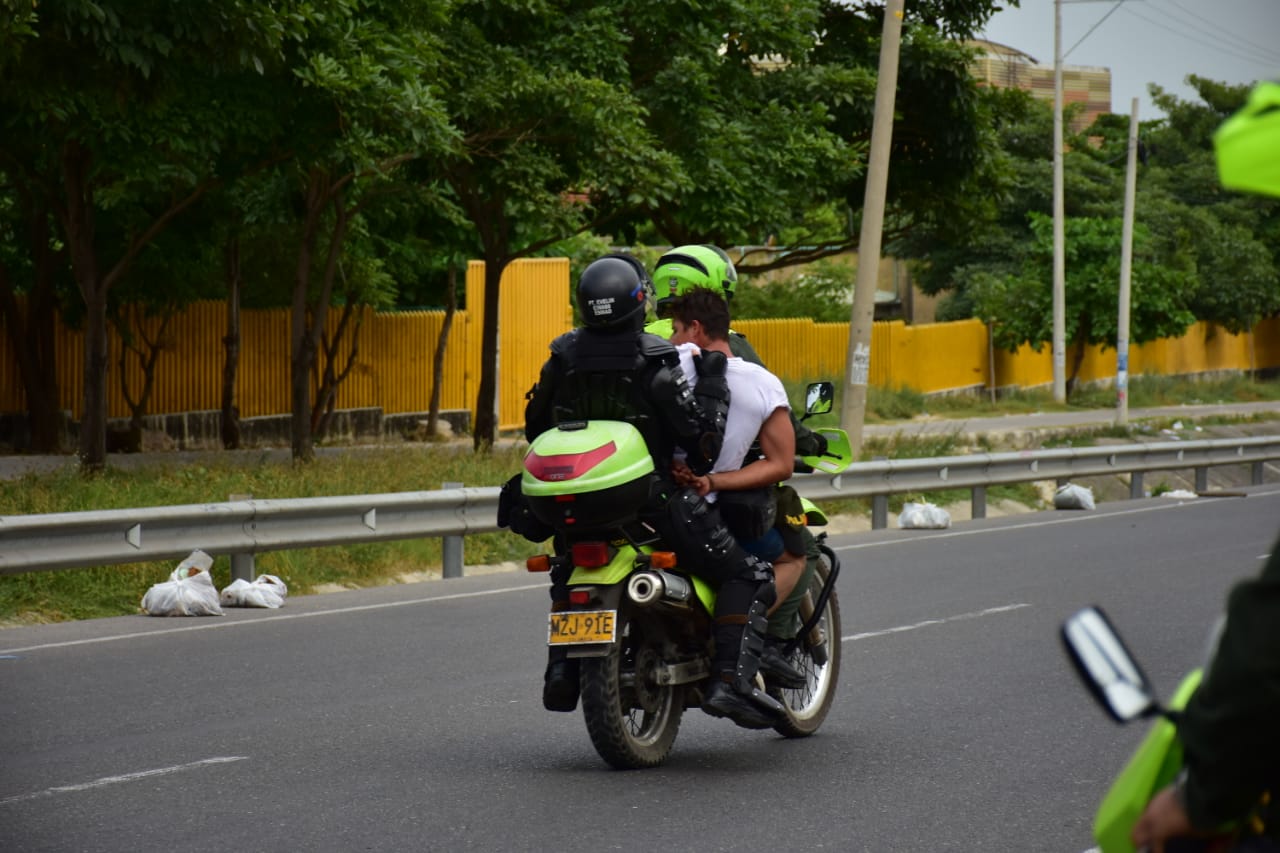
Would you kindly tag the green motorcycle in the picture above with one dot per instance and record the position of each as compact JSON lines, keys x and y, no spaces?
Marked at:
{"x":640,"y":625}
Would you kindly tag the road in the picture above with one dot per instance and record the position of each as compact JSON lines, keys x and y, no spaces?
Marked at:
{"x":408,"y":717}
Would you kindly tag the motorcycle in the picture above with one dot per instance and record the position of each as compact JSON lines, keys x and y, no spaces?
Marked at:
{"x":1115,"y":680}
{"x":639,"y":624}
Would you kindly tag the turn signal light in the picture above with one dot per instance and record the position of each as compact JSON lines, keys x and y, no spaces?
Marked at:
{"x":662,"y":560}
{"x":590,"y":555}
{"x":540,"y":563}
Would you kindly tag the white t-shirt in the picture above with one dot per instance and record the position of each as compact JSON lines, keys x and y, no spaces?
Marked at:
{"x":754,"y":395}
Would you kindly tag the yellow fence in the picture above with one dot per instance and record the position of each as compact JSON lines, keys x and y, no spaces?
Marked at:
{"x":393,"y":367}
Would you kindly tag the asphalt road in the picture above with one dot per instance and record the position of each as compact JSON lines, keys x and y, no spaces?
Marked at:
{"x":408,"y":717}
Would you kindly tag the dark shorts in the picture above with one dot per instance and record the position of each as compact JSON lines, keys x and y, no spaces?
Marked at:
{"x":768,"y":547}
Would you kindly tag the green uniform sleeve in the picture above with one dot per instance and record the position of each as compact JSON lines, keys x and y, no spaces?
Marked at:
{"x":1230,"y":729}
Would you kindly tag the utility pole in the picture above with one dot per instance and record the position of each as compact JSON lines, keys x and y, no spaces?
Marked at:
{"x":1059,"y":225}
{"x":858,"y":363}
{"x":1126,"y":267}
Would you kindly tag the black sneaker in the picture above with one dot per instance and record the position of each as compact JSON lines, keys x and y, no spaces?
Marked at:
{"x":560,"y":688}
{"x":777,"y":670}
{"x":723,"y":701}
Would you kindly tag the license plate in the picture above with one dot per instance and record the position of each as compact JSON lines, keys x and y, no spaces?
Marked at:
{"x":590,"y":626}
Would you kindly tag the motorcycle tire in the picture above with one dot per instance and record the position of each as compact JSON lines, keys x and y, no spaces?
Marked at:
{"x":632,"y":720}
{"x":806,"y":707}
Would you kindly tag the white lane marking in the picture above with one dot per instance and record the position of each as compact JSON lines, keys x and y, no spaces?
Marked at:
{"x":930,"y":535}
{"x":977,"y":614}
{"x":127,"y":777}
{"x":206,"y":626}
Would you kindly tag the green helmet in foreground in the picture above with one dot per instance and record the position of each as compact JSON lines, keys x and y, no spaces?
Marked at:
{"x":686,"y":267}
{"x":1248,"y":143}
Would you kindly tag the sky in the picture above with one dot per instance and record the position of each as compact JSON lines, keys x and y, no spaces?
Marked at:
{"x":1150,"y":41}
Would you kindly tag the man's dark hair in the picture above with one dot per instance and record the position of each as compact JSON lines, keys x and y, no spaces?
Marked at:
{"x":705,"y":306}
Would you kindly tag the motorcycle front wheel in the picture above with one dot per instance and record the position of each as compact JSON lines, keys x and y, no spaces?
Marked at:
{"x":631,"y":718}
{"x":817,"y":656}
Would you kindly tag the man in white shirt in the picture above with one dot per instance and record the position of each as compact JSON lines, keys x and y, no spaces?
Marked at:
{"x":758,"y":409}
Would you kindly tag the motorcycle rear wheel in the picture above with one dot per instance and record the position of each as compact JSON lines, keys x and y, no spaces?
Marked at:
{"x":806,"y":707}
{"x":632,"y":720}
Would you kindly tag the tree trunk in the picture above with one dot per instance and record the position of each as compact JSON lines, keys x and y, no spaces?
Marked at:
{"x":1081,"y":341}
{"x":134,"y":339}
{"x":79,"y":226}
{"x":230,"y":419}
{"x":442,"y":343}
{"x":308,"y":320}
{"x":332,"y":377}
{"x":486,"y":431}
{"x":31,"y":334}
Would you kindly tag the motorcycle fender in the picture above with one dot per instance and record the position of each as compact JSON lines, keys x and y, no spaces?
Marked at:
{"x":1152,"y":766}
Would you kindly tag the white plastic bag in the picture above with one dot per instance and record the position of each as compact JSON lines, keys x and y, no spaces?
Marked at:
{"x":1072,"y":496}
{"x":188,"y":592}
{"x":923,"y":516}
{"x":264,"y":591}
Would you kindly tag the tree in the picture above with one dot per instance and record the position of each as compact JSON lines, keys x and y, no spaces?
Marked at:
{"x":362,"y":95}
{"x":1020,"y":308}
{"x":553,"y":142}
{"x":114,"y":108}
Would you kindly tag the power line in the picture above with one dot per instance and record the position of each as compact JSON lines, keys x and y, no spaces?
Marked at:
{"x":1091,"y":29}
{"x":1260,"y":49}
{"x":1200,"y":40}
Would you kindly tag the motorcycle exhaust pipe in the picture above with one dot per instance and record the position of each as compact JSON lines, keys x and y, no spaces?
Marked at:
{"x":649,"y":587}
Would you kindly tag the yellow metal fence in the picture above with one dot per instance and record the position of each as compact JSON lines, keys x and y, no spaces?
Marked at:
{"x":393,"y":368}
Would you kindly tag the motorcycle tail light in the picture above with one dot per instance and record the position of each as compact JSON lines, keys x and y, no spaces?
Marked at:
{"x":580,"y":596}
{"x":540,"y":563}
{"x":591,"y":555}
{"x":662,"y":560}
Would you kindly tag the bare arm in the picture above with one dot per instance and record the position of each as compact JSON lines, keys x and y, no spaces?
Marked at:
{"x":778,"y":443}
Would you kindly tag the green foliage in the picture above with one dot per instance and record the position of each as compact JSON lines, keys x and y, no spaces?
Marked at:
{"x":1021,"y":306}
{"x":1200,"y":252}
{"x":822,"y":291}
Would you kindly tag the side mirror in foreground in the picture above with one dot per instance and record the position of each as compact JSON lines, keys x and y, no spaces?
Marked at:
{"x":1106,"y":666}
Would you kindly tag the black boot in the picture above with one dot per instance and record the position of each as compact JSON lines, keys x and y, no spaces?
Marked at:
{"x":560,"y":683}
{"x":724,"y":701}
{"x":733,"y":694}
{"x":776,"y":669}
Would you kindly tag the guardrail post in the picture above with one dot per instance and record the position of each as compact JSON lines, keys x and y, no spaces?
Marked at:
{"x":242,"y":565}
{"x":451,"y":548}
{"x":979,"y":502}
{"x":1135,"y":486}
{"x":879,"y":512}
{"x":1202,"y":479}
{"x":1255,"y":472}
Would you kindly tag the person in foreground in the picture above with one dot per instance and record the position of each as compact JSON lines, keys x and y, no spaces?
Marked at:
{"x":1230,"y":728}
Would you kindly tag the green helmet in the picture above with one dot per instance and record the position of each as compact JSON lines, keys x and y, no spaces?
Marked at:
{"x":1247,"y":143}
{"x":686,"y":267}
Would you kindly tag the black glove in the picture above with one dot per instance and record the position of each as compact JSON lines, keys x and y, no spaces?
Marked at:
{"x":710,"y":363}
{"x":810,"y":443}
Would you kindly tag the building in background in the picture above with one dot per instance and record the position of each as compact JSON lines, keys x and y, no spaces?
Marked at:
{"x":1000,"y":65}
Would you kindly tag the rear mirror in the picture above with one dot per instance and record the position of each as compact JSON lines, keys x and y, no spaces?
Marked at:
{"x":1107,"y":668}
{"x":819,"y":398}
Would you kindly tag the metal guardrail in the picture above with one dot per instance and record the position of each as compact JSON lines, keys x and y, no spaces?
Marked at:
{"x":243,"y":528}
{"x":977,"y":471}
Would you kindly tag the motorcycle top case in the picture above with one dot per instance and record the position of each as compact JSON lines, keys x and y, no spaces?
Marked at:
{"x":587,"y":474}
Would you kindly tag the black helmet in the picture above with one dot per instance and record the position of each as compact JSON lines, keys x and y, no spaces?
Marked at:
{"x":613,"y":293}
